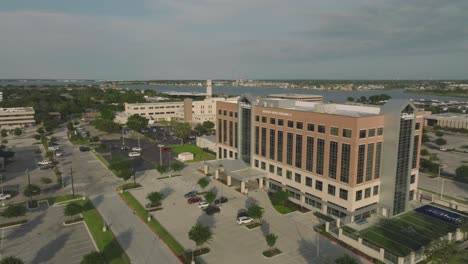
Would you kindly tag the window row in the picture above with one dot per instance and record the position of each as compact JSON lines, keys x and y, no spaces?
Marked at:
{"x":227,"y":113}
{"x":367,"y":192}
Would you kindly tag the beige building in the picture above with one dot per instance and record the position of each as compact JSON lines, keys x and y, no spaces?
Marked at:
{"x":449,"y":120}
{"x":299,"y":97}
{"x":344,"y":160}
{"x":16,"y":117}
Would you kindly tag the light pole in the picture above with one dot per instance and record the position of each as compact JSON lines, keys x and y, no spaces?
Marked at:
{"x":160,"y":146}
{"x":318,"y":243}
{"x":441,"y":166}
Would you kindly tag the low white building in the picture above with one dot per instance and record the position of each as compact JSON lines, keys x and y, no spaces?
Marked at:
{"x":16,"y":117}
{"x":185,"y":156}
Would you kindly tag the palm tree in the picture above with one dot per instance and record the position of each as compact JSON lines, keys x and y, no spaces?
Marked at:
{"x":154,"y":198}
{"x":256,"y":212}
{"x":200,"y":234}
{"x":72,"y":209}
{"x":210,"y":197}
{"x":271,"y":240}
{"x":11,"y":260}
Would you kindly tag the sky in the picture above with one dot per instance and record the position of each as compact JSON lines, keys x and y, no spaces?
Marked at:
{"x":234,"y":39}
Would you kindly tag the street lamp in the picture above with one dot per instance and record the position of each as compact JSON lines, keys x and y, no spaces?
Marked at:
{"x":160,"y":146}
{"x":441,"y":166}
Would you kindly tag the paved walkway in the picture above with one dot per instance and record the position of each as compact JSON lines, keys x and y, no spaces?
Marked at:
{"x":142,"y":245}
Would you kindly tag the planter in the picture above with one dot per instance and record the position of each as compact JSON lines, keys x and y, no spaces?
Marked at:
{"x":11,"y":224}
{"x":253,"y":225}
{"x":271,"y":253}
{"x":73,"y":221}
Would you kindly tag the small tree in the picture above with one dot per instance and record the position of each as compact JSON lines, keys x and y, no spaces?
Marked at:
{"x":425,"y":138}
{"x":32,"y":190}
{"x":203,"y":182}
{"x":200,"y":129}
{"x":440,"y":141}
{"x":93,"y":258}
{"x":440,"y":251}
{"x":154,"y":197}
{"x":424,"y":152}
{"x":439,"y":133}
{"x":350,"y":99}
{"x":346,"y":259}
{"x":182,"y":130}
{"x":37,"y":137}
{"x":70,"y":126}
{"x":72,"y":209}
{"x":271,"y":240}
{"x":209,"y":126}
{"x":14,"y":211}
{"x":200,"y":234}
{"x":210,"y":197}
{"x":17,"y":131}
{"x":11,"y":260}
{"x":4,"y":133}
{"x":161,"y":169}
{"x":137,"y":122}
{"x":176,"y":166}
{"x":256,"y":212}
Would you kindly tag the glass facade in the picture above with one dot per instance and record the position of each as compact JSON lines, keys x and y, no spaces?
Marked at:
{"x":310,"y":154}
{"x":272,"y":144}
{"x":264,"y":140}
{"x":257,"y":140}
{"x":378,"y":156}
{"x":370,"y":161}
{"x":246,"y":128}
{"x":225,"y":131}
{"x":333,"y":159}
{"x":236,"y":140}
{"x":415,"y":152}
{"x":298,"y":162}
{"x":289,"y":148}
{"x":360,"y":167}
{"x":231,"y":134}
{"x":320,"y":156}
{"x":280,"y":147}
{"x":345,"y":161}
{"x":220,"y":130}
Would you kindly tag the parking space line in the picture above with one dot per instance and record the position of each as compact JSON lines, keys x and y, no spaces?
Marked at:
{"x":79,"y":243}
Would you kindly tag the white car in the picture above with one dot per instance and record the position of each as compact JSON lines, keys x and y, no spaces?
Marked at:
{"x":138,"y":149}
{"x":4,"y":196}
{"x":59,"y":154}
{"x":54,"y":148}
{"x":44,"y":162}
{"x":203,"y":205}
{"x":134,"y":154}
{"x":443,"y":149}
{"x":244,"y":220}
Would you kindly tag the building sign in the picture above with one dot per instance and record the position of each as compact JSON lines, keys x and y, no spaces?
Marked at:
{"x":406,"y":116}
{"x":275,"y":113}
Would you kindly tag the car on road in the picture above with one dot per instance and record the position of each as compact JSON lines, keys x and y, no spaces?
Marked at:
{"x":4,"y":196}
{"x":221,"y":200}
{"x":59,"y":154}
{"x":46,"y":167}
{"x":203,"y":205}
{"x":84,"y":149}
{"x":212,"y":209}
{"x":244,"y":220}
{"x":193,"y":200}
{"x":190,"y":194}
{"x":137,"y":149}
{"x":152,"y":205}
{"x":44,"y":162}
{"x":134,"y":154}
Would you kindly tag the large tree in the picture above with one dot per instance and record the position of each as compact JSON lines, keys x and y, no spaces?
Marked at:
{"x":183,"y":130}
{"x":11,"y":260}
{"x":200,"y":129}
{"x":200,"y":234}
{"x":461,"y":173}
{"x":440,"y":251}
{"x":208,"y":125}
{"x":210,"y":197}
{"x":137,"y":122}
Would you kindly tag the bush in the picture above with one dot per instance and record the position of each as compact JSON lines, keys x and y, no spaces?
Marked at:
{"x":161,"y":169}
{"x":18,"y":131}
{"x":439,"y":133}
{"x":37,"y":137}
{"x":279,"y":198}
{"x":440,"y":141}
{"x":14,"y":211}
{"x":4,"y":141}
{"x":32,"y":190}
{"x":424,"y":152}
{"x":11,"y":260}
{"x":203,"y":182}
{"x":176,"y":166}
{"x":93,"y":258}
{"x":461,"y":173}
{"x":45,"y":180}
{"x":4,"y":133}
{"x":121,"y":167}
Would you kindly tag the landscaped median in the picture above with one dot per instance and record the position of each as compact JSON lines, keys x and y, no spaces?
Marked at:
{"x":156,"y":227}
{"x":57,"y":200}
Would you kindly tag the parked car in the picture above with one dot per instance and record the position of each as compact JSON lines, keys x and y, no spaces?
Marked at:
{"x":203,"y":205}
{"x":191,"y":194}
{"x":212,"y":209}
{"x":44,"y":162}
{"x":137,"y":149}
{"x":152,"y":205}
{"x":54,"y":148}
{"x":124,"y":148}
{"x":244,"y":220}
{"x":46,"y":167}
{"x":193,"y":200}
{"x":84,"y":149}
{"x":443,"y":149}
{"x":134,"y":154}
{"x":59,"y":154}
{"x":221,"y":200}
{"x":4,"y":196}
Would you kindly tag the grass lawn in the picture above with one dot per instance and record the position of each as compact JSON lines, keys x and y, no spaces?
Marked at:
{"x":155,"y":226}
{"x":406,"y":233}
{"x":198,"y":153}
{"x":283,"y":209}
{"x":62,"y":198}
{"x":105,"y":241}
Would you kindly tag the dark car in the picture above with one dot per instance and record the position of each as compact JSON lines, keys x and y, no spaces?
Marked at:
{"x":212,"y":209}
{"x":125,"y":148}
{"x":84,"y":149}
{"x":46,"y":167}
{"x":193,"y":200}
{"x":221,"y":200}
{"x":191,"y":194}
{"x":152,"y":205}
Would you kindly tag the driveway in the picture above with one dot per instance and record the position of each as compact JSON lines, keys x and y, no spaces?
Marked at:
{"x":43,"y":239}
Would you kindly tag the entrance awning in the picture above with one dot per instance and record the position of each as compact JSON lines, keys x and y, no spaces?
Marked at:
{"x":237,"y":169}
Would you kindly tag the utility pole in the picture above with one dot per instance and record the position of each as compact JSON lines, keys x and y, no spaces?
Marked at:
{"x":73,"y":187}
{"x":29,"y":186}
{"x":134,"y":179}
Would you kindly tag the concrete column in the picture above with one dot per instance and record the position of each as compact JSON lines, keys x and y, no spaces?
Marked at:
{"x":359,"y":240}
{"x":382,"y":254}
{"x":205,"y":169}
{"x":449,"y":236}
{"x":229,"y":180}
{"x":216,"y":176}
{"x":412,"y":257}
{"x":327,"y":226}
{"x":338,"y":222}
{"x":260,"y":183}
{"x":401,"y":260}
{"x":352,"y":219}
{"x":340,"y":233}
{"x":324,"y":208}
{"x":242,"y":186}
{"x":458,"y":235}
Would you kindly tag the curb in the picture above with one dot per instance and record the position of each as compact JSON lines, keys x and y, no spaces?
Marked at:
{"x":90,"y":235}
{"x":27,"y":220}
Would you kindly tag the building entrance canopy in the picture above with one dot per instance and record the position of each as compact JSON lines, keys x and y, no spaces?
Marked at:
{"x":237,"y":169}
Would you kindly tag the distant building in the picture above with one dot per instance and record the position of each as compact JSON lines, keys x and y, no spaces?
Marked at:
{"x":449,"y":120}
{"x":209,"y":89}
{"x":16,"y":117}
{"x":299,"y":97}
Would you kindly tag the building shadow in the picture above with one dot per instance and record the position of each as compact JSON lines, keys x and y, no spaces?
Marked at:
{"x":308,"y":250}
{"x":167,"y":191}
{"x":208,"y":220}
{"x":28,"y":227}
{"x":265,"y":228}
{"x":48,"y":251}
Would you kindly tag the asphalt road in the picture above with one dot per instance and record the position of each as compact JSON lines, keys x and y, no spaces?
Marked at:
{"x":451,"y":188}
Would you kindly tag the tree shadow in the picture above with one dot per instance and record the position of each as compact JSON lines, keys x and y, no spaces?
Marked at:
{"x":307,"y":249}
{"x":250,"y":201}
{"x":28,"y":227}
{"x":207,"y":220}
{"x":265,"y":228}
{"x":97,"y":200}
{"x":125,"y":238}
{"x":167,"y":191}
{"x":48,"y":251}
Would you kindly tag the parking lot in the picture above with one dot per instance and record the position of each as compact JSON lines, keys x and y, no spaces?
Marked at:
{"x":43,"y":239}
{"x":451,"y":159}
{"x":233,"y":243}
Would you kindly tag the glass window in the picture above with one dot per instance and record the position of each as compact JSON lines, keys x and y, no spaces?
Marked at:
{"x":220,"y":112}
{"x":263,"y":147}
{"x":298,"y":161}
{"x":362,"y":133}
{"x":378,"y":154}
{"x":321,"y":129}
{"x":288,"y":174}
{"x":310,"y":127}
{"x":299,"y":125}
{"x":272,"y":144}
{"x":320,"y":156}
{"x":367,"y":192}
{"x":290,"y":123}
{"x":331,"y":189}
{"x":359,"y":195}
{"x":257,"y":140}
{"x":379,"y":131}
{"x":272,"y":120}
{"x":263,"y":165}
{"x":371,"y":132}
{"x":257,"y":118}
{"x":334,"y":131}
{"x":231,"y":154}
{"x":318,"y":185}
{"x":225,"y":112}
{"x":310,"y":153}
{"x":235,"y":114}
{"x":343,"y":194}
{"x":230,"y":113}
{"x":413,"y":178}
{"x":411,"y":195}
{"x":256,"y":163}
{"x":333,"y":159}
{"x":418,"y":126}
{"x":297,"y":177}
{"x":279,"y":171}
{"x":347,"y":133}
{"x":308,"y":181}
{"x":279,"y":153}
{"x":272,"y":168}
{"x":280,"y":122}
{"x":264,"y":119}
{"x":370,"y":160}
{"x":376,"y":190}
{"x":289,"y":148}
{"x":345,"y":160}
{"x":360,"y":167}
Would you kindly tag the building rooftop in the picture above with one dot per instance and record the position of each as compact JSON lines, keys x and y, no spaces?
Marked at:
{"x":16,"y":110}
{"x":294,"y":95}
{"x":447,"y":116}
